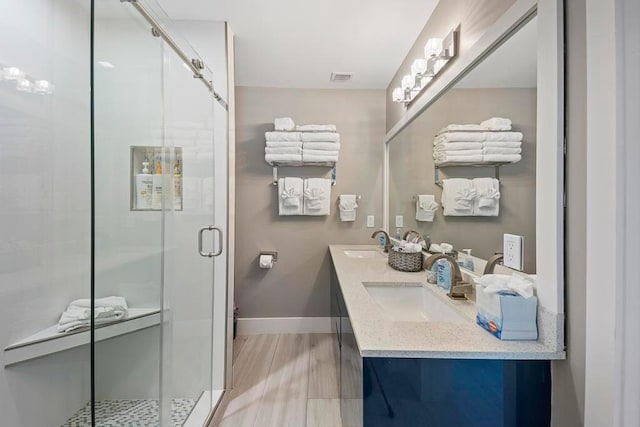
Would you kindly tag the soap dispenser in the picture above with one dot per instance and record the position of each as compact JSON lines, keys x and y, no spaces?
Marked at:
{"x":443,"y":274}
{"x":144,"y":187}
{"x":156,"y":197}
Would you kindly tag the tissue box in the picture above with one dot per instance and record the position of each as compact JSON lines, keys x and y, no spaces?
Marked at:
{"x":508,"y":317}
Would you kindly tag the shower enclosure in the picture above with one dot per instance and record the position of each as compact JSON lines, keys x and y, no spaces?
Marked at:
{"x":114,"y":146}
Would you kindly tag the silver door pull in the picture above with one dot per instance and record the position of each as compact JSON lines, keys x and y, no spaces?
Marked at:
{"x":220,"y":241}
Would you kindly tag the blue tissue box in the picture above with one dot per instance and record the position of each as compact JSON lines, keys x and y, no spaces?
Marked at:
{"x":508,"y":317}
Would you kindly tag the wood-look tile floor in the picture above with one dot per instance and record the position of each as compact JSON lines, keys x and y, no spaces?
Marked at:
{"x":282,"y":381}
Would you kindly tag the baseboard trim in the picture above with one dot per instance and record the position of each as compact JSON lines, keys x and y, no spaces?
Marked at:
{"x":284,"y":325}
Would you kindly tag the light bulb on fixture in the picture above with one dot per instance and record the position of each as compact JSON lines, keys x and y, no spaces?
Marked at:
{"x":418,"y":67}
{"x":24,"y":85}
{"x":43,"y":87}
{"x":12,"y":73}
{"x":432,"y":48}
{"x":407,"y":82}
{"x":398,"y":94}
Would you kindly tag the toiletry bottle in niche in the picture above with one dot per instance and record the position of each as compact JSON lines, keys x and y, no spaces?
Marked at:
{"x":144,"y":187}
{"x":156,"y":198}
{"x":177,"y":186}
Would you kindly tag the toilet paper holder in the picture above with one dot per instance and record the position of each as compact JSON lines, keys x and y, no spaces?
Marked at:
{"x":274,"y":254}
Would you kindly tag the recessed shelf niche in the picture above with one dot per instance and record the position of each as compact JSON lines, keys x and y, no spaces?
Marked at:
{"x":149,"y":189}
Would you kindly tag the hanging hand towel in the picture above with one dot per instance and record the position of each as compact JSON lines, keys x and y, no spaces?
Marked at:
{"x":290,"y":196}
{"x":348,"y":205}
{"x":457,"y":197}
{"x":426,"y":207}
{"x":316,"y":128}
{"x":488,"y":201}
{"x":283,"y":136}
{"x":284,"y":124}
{"x":317,"y":195}
{"x":320,"y":137}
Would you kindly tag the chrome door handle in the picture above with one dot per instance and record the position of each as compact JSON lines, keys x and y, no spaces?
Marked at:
{"x":220,"y":241}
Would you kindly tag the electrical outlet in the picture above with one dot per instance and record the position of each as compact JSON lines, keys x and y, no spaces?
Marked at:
{"x":513,"y":248}
{"x":399,"y":221}
{"x":371,"y":221}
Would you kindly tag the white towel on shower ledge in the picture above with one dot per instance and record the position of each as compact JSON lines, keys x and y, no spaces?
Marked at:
{"x":78,"y":313}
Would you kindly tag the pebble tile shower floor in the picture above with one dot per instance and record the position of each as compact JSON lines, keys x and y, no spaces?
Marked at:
{"x":131,"y":413}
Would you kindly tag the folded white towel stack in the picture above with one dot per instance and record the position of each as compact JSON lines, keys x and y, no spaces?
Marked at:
{"x":283,"y":136}
{"x":284,"y":124}
{"x":280,"y":144}
{"x":282,"y":158}
{"x":78,"y":313}
{"x":491,"y":141}
{"x":317,"y":196}
{"x":426,"y":207}
{"x":316,"y":128}
{"x":488,"y":201}
{"x":283,"y":150}
{"x":290,"y":191}
{"x":348,"y":204}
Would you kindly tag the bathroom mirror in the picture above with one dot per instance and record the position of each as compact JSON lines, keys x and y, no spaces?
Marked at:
{"x":503,"y":84}
{"x":532,"y":191}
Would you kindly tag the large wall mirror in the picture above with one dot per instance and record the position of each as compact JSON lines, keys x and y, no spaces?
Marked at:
{"x":514,"y":74}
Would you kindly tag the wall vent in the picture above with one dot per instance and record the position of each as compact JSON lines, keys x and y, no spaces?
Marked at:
{"x":341,"y":76}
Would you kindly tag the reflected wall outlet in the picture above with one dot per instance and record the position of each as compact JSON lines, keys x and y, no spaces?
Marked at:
{"x":399,"y":221}
{"x":371,"y":221}
{"x":513,"y":248}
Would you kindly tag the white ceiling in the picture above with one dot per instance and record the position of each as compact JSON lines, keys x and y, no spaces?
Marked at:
{"x":298,"y":43}
{"x":512,"y":65}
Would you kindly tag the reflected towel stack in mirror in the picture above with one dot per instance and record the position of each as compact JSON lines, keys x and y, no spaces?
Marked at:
{"x":492,"y":141}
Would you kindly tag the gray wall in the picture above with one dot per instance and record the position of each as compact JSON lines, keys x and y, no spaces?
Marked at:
{"x":569,"y":375}
{"x":473,"y":17}
{"x":298,"y":284}
{"x":411,"y":172}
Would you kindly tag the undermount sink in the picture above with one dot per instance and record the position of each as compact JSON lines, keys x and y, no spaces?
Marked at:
{"x":412,"y":302}
{"x":362,"y":253}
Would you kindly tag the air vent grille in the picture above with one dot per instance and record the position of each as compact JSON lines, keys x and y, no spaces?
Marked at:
{"x":341,"y":76}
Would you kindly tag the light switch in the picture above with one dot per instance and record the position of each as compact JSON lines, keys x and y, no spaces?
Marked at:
{"x":399,"y":221}
{"x":513,"y":248}
{"x":371,"y":221}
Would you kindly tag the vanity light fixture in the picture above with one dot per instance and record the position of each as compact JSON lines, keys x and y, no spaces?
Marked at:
{"x":12,"y":73}
{"x":23,"y":82}
{"x":437,"y":53}
{"x":24,"y":85}
{"x":42,"y":87}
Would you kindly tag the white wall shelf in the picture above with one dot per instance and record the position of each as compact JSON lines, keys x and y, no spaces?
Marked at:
{"x":49,"y":340}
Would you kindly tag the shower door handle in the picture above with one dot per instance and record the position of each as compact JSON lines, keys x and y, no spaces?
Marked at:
{"x":220,"y":241}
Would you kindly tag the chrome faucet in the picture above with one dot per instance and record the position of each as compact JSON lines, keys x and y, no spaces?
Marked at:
{"x":387,"y":243}
{"x":492,"y":262}
{"x":458,"y":286}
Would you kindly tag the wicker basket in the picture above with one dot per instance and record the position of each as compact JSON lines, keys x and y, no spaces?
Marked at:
{"x":403,"y":261}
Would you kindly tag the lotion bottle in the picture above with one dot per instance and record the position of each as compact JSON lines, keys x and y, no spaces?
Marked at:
{"x":144,"y":187}
{"x":177,"y":186}
{"x":156,"y":198}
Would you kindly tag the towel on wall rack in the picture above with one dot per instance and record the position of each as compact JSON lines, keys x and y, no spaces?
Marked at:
{"x":317,"y":195}
{"x":284,"y":144}
{"x":283,"y":136}
{"x":327,"y":146}
{"x":316,"y":128}
{"x":457,"y":197}
{"x":283,"y":150}
{"x":284,"y":124}
{"x":275,"y":158}
{"x":496,"y":123}
{"x":348,"y":204}
{"x":488,"y":201}
{"x":320,"y":137}
{"x":311,"y":158}
{"x":426,"y":207}
{"x":290,"y":191}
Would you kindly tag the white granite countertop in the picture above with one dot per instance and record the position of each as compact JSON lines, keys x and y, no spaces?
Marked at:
{"x":379,"y":336}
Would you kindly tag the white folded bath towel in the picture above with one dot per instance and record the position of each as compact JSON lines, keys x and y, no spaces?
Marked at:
{"x":426,"y":207}
{"x":320,"y":137}
{"x":283,"y":136}
{"x":502,"y":144}
{"x":503,"y":136}
{"x":442,"y":157}
{"x":459,"y":137}
{"x":279,"y":144}
{"x":496,"y":123}
{"x":283,"y":150}
{"x":328,"y":146}
{"x":458,"y":196}
{"x":316,"y":128}
{"x":501,"y":150}
{"x":461,"y":128}
{"x":510,"y":158}
{"x":310,"y":152}
{"x":487,"y":202}
{"x":447,"y":146}
{"x":290,"y":191}
{"x":311,"y":158}
{"x":284,"y":124}
{"x":317,"y":196}
{"x":284,"y":158}
{"x":347,"y":205}
{"x":78,"y":313}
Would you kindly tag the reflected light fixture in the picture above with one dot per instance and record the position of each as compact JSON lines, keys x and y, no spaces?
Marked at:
{"x":12,"y":73}
{"x":437,"y":53}
{"x":24,"y":82}
{"x":42,"y":87}
{"x":24,"y":85}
